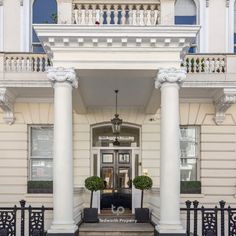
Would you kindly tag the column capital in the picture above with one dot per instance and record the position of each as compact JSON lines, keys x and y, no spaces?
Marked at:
{"x":61,"y":75}
{"x":170,"y":75}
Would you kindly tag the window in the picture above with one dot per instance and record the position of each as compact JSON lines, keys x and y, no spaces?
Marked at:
{"x":41,"y":152}
{"x":186,"y":14}
{"x":44,"y":12}
{"x":189,"y":146}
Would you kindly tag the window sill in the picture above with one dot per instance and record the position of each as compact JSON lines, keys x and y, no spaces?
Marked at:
{"x":38,"y":195}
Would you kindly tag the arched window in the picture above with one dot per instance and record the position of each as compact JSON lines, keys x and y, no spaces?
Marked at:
{"x":186,"y":14}
{"x":44,"y":12}
{"x":235,"y":27}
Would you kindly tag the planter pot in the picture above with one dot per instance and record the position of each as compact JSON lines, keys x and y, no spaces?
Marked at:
{"x":142,"y":215}
{"x":90,"y":215}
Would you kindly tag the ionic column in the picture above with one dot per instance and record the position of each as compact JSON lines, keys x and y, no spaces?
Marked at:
{"x":169,"y":81}
{"x":63,"y":81}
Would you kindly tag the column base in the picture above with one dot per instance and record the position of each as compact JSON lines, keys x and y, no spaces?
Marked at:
{"x":64,"y":234}
{"x":156,"y":233}
{"x":170,"y":230}
{"x":63,"y":230}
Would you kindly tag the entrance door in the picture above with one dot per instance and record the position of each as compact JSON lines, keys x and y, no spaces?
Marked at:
{"x":116,"y":172}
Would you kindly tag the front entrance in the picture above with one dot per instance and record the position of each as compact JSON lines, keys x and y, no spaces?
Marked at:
{"x":117,"y":174}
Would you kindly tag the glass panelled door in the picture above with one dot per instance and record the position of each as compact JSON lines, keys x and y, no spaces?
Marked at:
{"x":116,"y":173}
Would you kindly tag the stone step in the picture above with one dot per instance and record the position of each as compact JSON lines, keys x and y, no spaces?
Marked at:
{"x":116,"y":229}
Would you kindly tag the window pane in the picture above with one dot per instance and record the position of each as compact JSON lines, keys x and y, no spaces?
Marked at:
{"x":41,"y":169}
{"x":188,"y":169}
{"x":123,"y":178}
{"x":107,"y":175}
{"x":188,"y":142}
{"x":41,"y":142}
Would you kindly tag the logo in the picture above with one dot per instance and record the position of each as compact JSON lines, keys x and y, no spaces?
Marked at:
{"x":117,"y":211}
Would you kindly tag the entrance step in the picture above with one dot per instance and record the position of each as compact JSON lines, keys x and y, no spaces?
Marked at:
{"x":116,"y":229}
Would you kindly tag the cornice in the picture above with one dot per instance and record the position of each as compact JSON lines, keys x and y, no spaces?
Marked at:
{"x":223,"y":101}
{"x":7,"y":99}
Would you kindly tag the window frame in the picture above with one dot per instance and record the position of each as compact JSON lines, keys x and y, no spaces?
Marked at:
{"x":29,"y":150}
{"x":198,"y":150}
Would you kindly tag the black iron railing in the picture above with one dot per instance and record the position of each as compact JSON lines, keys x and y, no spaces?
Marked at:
{"x":217,"y":221}
{"x":8,"y":218}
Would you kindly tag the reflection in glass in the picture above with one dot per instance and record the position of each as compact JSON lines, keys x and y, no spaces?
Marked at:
{"x":107,"y":175}
{"x":107,"y":158}
{"x":188,"y":169}
{"x":41,"y":169}
{"x":123,"y":178}
{"x":124,"y":158}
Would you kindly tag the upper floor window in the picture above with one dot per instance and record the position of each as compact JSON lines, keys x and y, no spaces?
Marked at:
{"x":44,"y":12}
{"x":186,"y":14}
{"x":190,"y":152}
{"x":235,"y":27}
{"x":41,"y":152}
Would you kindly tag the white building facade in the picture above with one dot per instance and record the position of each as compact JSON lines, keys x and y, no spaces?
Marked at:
{"x":173,"y":63}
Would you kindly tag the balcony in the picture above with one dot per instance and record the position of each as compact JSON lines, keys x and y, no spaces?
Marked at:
{"x":116,"y":12}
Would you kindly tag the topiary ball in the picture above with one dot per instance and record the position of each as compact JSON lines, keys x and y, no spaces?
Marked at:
{"x":94,"y":183}
{"x":142,"y":182}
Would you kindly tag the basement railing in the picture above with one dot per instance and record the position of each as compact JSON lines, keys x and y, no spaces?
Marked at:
{"x":35,"y":216}
{"x":116,"y":12}
{"x":25,"y":62}
{"x":217,"y":221}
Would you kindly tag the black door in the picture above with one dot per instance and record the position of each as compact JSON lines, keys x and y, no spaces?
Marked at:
{"x":116,"y":172}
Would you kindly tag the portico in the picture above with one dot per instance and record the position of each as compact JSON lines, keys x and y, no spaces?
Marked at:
{"x":131,"y":56}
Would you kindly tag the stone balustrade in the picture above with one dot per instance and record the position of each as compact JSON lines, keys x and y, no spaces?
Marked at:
{"x":25,"y":62}
{"x":205,"y":63}
{"x":117,"y":12}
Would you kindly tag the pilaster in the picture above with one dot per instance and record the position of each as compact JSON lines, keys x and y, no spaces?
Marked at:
{"x":223,"y":101}
{"x":7,"y":99}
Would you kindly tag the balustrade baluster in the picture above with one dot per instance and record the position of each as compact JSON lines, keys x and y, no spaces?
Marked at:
{"x":40,"y":64}
{"x":76,"y":15}
{"x":123,"y":14}
{"x":130,"y":14}
{"x":86,"y":6}
{"x":94,"y":7}
{"x":149,"y":15}
{"x":145,"y":13}
{"x":90,"y":16}
{"x":153,"y":21}
{"x":138,"y":22}
{"x":101,"y":14}
{"x":83,"y":15}
{"x":108,"y":14}
{"x":115,"y":14}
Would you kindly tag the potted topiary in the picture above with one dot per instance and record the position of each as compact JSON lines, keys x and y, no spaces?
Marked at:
{"x":142,"y":182}
{"x":93,"y":184}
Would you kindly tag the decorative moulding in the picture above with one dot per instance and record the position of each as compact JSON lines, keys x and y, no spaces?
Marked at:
{"x":223,"y":102}
{"x":1,"y":3}
{"x":21,"y":2}
{"x":7,"y":99}
{"x":207,"y":3}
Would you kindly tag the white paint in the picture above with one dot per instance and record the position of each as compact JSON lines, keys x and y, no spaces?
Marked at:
{"x":231,"y":26}
{"x":1,"y":27}
{"x":169,"y":81}
{"x":26,"y":25}
{"x":63,"y":175}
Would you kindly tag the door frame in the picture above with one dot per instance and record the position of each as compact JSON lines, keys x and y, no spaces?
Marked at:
{"x":136,"y":195}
